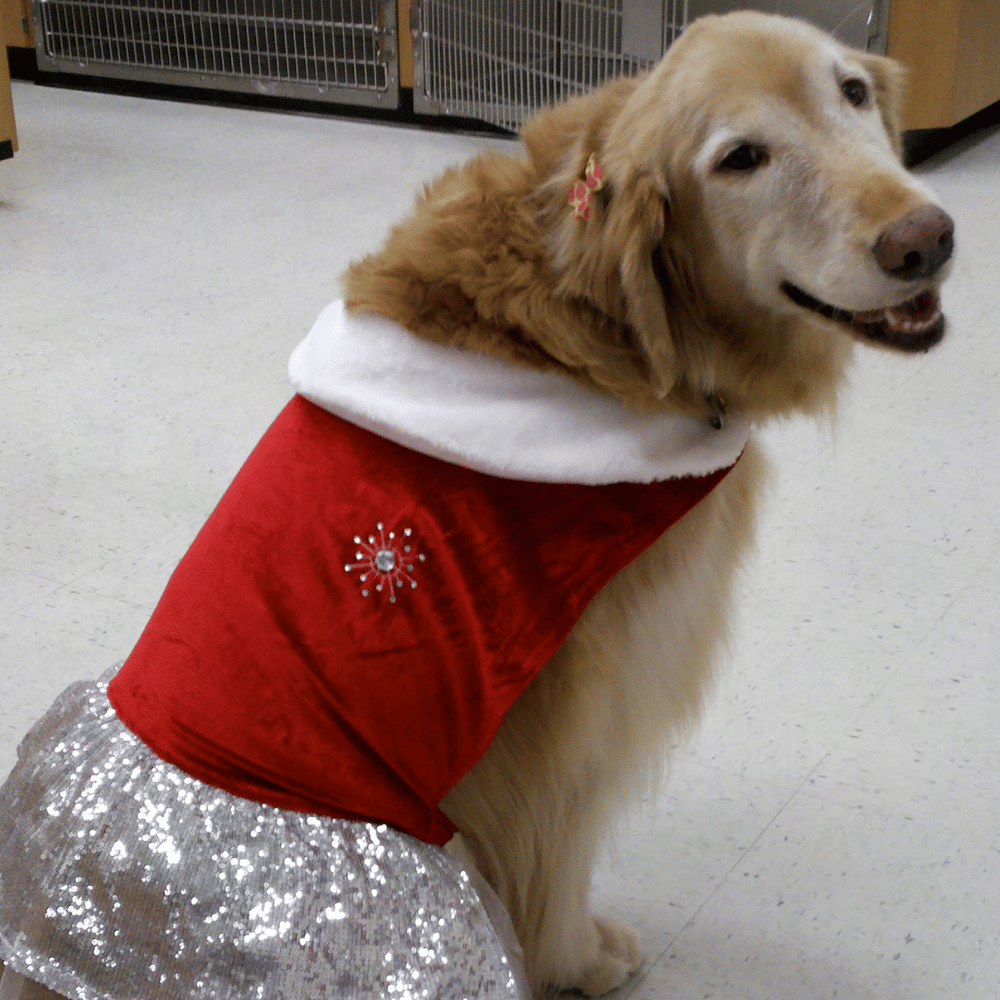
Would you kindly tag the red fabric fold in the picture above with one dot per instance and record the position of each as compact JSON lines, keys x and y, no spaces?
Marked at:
{"x":267,"y":672}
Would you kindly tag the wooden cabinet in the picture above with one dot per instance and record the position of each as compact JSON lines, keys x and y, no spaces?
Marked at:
{"x":952,"y":48}
{"x":15,"y":29}
{"x":8,"y":134}
{"x":15,"y":23}
{"x":405,"y":43}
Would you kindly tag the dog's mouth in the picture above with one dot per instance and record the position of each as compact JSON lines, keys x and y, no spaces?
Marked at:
{"x":914,"y":325}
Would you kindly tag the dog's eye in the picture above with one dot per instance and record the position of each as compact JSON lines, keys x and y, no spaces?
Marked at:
{"x":856,"y":91}
{"x":744,"y":158}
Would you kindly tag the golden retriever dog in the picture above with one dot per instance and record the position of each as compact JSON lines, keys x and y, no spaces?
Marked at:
{"x":754,"y":224}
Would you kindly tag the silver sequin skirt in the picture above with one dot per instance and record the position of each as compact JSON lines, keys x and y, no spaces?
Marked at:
{"x":123,"y":878}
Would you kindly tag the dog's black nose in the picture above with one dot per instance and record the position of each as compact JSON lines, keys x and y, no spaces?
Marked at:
{"x":917,"y":244}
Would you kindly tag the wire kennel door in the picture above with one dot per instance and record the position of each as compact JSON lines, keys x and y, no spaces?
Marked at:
{"x":501,"y":60}
{"x":326,"y":50}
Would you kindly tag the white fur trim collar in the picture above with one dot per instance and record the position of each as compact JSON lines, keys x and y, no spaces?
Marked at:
{"x":493,"y":416}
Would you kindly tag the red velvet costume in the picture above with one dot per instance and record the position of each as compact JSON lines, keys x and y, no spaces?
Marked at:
{"x":302,"y":657}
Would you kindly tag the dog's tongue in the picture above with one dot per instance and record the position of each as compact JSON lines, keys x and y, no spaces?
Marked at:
{"x":914,"y":316}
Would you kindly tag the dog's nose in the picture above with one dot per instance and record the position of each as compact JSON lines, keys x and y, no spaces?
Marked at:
{"x":916,"y":245}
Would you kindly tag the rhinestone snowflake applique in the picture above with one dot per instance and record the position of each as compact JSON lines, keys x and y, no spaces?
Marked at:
{"x":386,"y":560}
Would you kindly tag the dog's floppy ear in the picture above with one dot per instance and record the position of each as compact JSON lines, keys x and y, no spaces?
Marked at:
{"x":630,"y":229}
{"x":609,"y":258}
{"x":889,"y":78}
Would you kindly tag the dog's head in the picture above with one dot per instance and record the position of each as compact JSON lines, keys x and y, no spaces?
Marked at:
{"x":755,"y":217}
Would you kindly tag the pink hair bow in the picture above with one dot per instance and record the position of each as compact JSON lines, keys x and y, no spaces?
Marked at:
{"x":583,"y":191}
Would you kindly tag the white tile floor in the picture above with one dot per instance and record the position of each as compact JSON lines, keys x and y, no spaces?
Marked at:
{"x":834,"y":828}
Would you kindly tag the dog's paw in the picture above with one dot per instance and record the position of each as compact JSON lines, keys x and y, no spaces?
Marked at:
{"x":619,"y":955}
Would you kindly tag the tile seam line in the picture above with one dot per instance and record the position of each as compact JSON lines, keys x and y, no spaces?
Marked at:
{"x":800,"y":787}
{"x":897,"y":671}
{"x":725,"y":878}
{"x":856,"y":718}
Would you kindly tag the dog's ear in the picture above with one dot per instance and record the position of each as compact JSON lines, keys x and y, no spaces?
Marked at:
{"x":889,"y":78}
{"x":631,"y":229}
{"x":611,"y":257}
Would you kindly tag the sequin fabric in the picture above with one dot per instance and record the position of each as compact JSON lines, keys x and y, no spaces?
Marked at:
{"x":121,"y":877}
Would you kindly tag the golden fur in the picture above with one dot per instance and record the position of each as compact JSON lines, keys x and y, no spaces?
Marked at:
{"x":669,"y":296}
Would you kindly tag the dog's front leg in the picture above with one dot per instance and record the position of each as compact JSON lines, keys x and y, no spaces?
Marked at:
{"x":572,"y":948}
{"x":544,"y":883}
{"x":532,"y":813}
{"x":579,"y":950}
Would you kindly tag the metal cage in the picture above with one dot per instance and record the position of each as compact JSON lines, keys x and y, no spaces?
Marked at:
{"x":326,"y":50}
{"x":501,"y":60}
